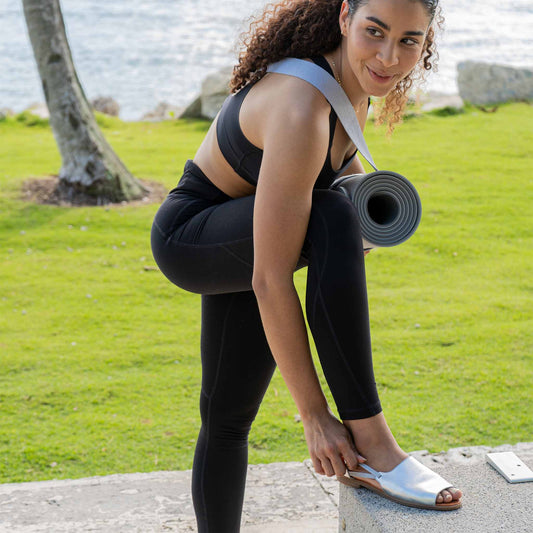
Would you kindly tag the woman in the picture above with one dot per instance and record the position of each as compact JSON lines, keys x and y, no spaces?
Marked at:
{"x":254,"y":206}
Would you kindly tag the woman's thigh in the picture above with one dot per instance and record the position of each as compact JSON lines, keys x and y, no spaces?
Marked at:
{"x":212,"y":253}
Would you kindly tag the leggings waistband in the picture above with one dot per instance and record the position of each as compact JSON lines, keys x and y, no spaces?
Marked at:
{"x":195,"y":182}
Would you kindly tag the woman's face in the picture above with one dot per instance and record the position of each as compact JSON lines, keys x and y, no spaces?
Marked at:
{"x":384,"y":41}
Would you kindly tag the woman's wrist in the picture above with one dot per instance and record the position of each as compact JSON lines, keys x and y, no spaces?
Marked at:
{"x":314,"y":412}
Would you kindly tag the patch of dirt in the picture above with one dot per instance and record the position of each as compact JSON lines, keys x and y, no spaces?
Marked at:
{"x":46,"y":191}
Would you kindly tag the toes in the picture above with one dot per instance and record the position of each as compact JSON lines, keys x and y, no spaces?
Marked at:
{"x":456,"y":493}
{"x":449,"y":495}
{"x":446,"y":496}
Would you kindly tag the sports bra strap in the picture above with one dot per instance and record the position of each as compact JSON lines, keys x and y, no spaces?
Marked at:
{"x":334,"y":94}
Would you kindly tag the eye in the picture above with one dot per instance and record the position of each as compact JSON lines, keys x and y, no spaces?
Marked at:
{"x":374,"y":32}
{"x":409,"y":41}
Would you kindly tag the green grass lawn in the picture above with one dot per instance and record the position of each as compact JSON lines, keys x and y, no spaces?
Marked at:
{"x":100,"y":368}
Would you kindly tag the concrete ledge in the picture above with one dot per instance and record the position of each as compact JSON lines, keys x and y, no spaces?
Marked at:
{"x":490,"y":503}
{"x":279,"y":498}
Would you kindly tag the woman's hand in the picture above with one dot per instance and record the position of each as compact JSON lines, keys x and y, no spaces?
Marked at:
{"x":330,"y":445}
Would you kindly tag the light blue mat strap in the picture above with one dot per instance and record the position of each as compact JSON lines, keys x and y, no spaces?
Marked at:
{"x":334,"y":94}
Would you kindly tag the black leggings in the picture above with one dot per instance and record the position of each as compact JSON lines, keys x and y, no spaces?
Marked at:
{"x":202,"y":242}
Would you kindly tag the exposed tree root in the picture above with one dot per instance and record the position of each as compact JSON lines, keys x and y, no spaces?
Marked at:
{"x":47,"y":191}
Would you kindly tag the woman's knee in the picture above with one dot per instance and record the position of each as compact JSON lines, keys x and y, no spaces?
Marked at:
{"x":334,"y":215}
{"x":227,"y":425}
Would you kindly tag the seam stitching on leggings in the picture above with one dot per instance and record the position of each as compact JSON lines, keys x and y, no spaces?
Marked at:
{"x":161,"y":232}
{"x":332,"y":331}
{"x":207,"y":212}
{"x":231,"y":252}
{"x":222,"y":340}
{"x":209,"y":398}
{"x":321,"y":272}
{"x":200,"y":245}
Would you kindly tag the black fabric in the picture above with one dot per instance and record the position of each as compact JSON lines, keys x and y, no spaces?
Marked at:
{"x":245,"y":158}
{"x":202,"y":242}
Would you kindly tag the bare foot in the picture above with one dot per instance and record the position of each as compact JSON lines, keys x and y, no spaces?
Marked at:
{"x":376,"y":443}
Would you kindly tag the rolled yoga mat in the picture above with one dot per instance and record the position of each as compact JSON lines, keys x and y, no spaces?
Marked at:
{"x":388,"y":205}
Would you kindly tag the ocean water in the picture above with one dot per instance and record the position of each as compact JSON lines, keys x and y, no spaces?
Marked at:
{"x":143,"y":52}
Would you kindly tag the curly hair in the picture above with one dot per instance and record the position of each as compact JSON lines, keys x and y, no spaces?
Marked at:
{"x":306,"y":28}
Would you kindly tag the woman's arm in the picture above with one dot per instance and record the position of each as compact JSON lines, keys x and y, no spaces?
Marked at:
{"x":295,"y":144}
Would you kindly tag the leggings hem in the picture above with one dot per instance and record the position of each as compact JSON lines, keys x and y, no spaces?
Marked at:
{"x":359,"y":414}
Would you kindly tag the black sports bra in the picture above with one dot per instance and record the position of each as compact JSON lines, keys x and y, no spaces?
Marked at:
{"x":245,"y":158}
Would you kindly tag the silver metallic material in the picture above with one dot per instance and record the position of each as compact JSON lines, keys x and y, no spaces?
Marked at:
{"x":410,"y":481}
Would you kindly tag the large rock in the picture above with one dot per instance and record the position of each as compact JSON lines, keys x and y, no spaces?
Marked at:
{"x":485,"y":83}
{"x":6,"y":112}
{"x":194,"y":109}
{"x":106,"y":105}
{"x":215,"y":89}
{"x":435,"y":100}
{"x":163,"y":111}
{"x":39,"y":109}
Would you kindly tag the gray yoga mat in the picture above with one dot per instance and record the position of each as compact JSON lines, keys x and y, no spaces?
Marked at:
{"x":388,"y":205}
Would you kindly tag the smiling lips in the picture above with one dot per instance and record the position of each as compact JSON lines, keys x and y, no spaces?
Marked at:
{"x":378,"y":77}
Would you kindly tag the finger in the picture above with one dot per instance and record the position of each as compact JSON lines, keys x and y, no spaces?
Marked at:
{"x":351,"y":454}
{"x":351,"y":445}
{"x":339,"y":465}
{"x":317,"y":465}
{"x":351,"y":459}
{"x":328,"y":467}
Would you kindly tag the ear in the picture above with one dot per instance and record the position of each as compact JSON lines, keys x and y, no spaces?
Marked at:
{"x":344,"y":17}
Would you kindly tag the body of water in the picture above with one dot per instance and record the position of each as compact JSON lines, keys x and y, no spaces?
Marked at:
{"x":143,"y":52}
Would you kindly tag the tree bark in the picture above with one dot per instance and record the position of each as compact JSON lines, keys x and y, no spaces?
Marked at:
{"x":90,"y":168}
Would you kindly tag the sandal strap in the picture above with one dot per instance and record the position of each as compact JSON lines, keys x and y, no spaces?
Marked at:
{"x":372,"y":474}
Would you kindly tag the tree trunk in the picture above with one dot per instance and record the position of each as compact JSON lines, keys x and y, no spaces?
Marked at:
{"x":90,"y":168}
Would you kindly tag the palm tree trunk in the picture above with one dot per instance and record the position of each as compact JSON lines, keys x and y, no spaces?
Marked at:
{"x":90,"y":168}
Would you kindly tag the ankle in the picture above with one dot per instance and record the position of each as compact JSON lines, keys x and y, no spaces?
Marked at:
{"x":375,"y":441}
{"x":370,"y":432}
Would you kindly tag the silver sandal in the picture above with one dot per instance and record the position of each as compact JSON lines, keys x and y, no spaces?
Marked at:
{"x":409,"y":483}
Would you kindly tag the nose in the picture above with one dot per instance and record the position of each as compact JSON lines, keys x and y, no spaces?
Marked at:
{"x":387,"y":55}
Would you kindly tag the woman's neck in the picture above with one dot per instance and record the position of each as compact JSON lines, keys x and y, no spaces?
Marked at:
{"x":345,"y":78}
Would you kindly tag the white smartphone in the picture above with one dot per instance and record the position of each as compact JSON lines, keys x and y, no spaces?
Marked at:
{"x":510,"y":466}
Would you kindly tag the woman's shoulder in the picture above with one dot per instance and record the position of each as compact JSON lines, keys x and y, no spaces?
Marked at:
{"x":279,"y":107}
{"x":295,"y":96}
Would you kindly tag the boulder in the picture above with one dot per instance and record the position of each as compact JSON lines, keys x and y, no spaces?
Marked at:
{"x":6,"y":112}
{"x":486,"y":83}
{"x":39,"y":109}
{"x":435,"y":100}
{"x":215,"y":89}
{"x":163,"y":111}
{"x":106,"y":105}
{"x":194,"y":109}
